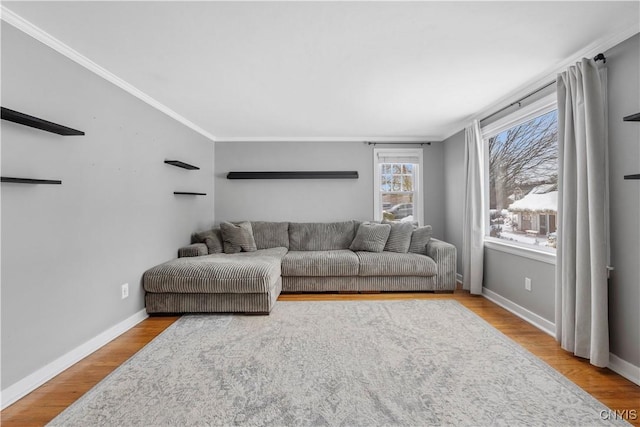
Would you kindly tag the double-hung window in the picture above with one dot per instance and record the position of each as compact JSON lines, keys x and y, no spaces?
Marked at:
{"x":522,"y":177}
{"x":397,"y":184}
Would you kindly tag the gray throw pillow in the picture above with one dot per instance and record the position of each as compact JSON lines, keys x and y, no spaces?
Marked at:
{"x":237,"y":237}
{"x":370,"y":237}
{"x":400,"y":237}
{"x":419,"y":239}
{"x":211,"y":238}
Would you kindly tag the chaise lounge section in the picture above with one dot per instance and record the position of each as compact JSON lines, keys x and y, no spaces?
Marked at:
{"x":243,"y":267}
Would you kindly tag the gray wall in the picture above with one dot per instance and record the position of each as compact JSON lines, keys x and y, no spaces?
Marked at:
{"x":433,"y":189}
{"x":454,"y":175}
{"x":504,"y":274}
{"x":623,"y":72}
{"x":66,"y":249}
{"x":311,"y":200}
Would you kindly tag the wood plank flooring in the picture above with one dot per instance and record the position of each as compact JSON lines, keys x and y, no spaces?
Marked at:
{"x":43,"y":404}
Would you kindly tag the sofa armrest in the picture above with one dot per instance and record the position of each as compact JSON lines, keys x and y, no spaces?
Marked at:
{"x":444,"y":254}
{"x":194,"y":249}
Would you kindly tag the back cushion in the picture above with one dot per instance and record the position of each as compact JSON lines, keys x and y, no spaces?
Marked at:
{"x":270,"y":234}
{"x":321,"y":236}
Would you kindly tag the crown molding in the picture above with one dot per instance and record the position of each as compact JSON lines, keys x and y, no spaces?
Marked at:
{"x":42,"y":36}
{"x":598,"y":46}
{"x":378,"y":139}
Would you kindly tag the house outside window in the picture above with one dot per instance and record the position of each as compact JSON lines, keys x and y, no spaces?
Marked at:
{"x":522,"y":178}
{"x":397,"y":185}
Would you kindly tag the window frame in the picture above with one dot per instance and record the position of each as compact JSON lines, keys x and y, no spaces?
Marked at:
{"x":535,"y":109}
{"x":377,"y":200}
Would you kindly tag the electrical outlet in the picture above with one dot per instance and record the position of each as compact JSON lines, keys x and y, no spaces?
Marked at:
{"x":527,"y":284}
{"x":125,"y":290}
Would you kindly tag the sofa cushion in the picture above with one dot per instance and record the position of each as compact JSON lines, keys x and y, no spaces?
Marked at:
{"x":270,"y":234}
{"x":212,"y":238}
{"x":370,"y":237}
{"x":278,"y":253}
{"x":419,"y":239}
{"x":218,"y":273}
{"x":323,"y":236}
{"x":399,"y":237}
{"x":396,"y":264}
{"x":320,"y":263}
{"x":237,"y":237}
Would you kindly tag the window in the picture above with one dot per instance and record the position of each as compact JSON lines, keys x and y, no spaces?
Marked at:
{"x":522,"y":176}
{"x":397,"y":184}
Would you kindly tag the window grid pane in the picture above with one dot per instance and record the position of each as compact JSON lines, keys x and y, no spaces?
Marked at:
{"x":397,"y":191}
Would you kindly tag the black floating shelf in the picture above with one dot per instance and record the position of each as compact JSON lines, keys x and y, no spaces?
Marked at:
{"x":182,"y":165}
{"x":34,"y":122}
{"x":29,"y":180}
{"x":294,"y":175}
{"x":632,"y":118}
{"x":636,"y":176}
{"x":188,"y":193}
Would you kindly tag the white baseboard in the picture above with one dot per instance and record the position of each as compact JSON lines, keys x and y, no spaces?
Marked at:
{"x":616,"y":364}
{"x":624,"y":368}
{"x":539,"y":322}
{"x":26,"y":385}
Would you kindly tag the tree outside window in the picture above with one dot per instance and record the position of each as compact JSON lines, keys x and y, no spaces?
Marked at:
{"x":523,"y":181}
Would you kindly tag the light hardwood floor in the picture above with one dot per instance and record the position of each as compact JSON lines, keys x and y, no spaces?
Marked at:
{"x":43,"y":404}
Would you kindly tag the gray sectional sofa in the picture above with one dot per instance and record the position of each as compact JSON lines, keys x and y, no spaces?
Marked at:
{"x":243,"y":267}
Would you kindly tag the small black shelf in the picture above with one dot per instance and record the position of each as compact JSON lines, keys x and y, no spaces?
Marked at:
{"x":35,"y":122}
{"x":632,"y":118}
{"x":188,"y":193}
{"x":182,"y":165}
{"x":29,"y":180}
{"x":294,"y":175}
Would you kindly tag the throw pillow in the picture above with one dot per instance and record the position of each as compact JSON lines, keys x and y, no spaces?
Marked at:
{"x":211,"y":238}
{"x":237,"y":237}
{"x":419,"y":239}
{"x":399,"y":238}
{"x":370,"y":237}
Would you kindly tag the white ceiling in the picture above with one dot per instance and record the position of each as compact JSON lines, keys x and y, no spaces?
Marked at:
{"x":331,"y":70}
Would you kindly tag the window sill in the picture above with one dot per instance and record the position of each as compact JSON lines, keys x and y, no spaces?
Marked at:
{"x":525,"y":252}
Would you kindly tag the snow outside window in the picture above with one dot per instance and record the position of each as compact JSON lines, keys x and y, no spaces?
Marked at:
{"x":397,"y":184}
{"x":522,"y":177}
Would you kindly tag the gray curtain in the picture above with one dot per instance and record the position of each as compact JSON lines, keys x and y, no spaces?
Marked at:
{"x":583,"y":211}
{"x":474,"y":210}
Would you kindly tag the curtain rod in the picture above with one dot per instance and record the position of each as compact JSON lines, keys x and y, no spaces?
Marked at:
{"x":398,"y":143}
{"x":598,"y":57}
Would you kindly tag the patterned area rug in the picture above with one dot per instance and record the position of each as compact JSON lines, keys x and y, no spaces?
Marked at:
{"x":355,"y":363}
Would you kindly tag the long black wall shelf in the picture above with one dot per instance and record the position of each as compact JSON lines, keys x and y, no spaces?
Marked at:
{"x":636,"y":176}
{"x":35,"y":122}
{"x":294,"y":175}
{"x":182,"y":165}
{"x":29,"y":180}
{"x":188,"y":193}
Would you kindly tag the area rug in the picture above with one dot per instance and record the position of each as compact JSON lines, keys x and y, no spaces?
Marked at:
{"x":348,"y":363}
